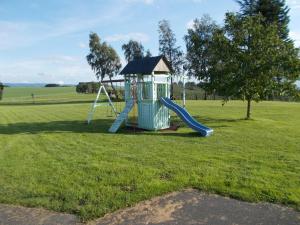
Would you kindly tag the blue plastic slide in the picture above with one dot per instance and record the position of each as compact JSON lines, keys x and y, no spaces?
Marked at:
{"x":186,"y":117}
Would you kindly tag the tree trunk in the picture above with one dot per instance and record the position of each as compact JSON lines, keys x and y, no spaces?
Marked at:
{"x":248,"y":116}
{"x":205,"y":95}
{"x":112,"y":86}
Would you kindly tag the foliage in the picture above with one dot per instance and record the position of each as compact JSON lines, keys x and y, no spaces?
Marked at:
{"x":133,"y":50}
{"x":102,"y":58}
{"x":249,"y":56}
{"x":198,"y":44}
{"x":148,"y":53}
{"x":52,"y":85}
{"x":87,"y":87}
{"x":50,"y":158}
{"x":274,"y":12}
{"x":168,"y":48}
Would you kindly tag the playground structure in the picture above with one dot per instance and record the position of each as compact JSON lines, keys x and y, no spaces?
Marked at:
{"x":147,"y":98}
{"x":108,"y":95}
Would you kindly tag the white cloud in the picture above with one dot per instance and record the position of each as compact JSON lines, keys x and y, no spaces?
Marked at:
{"x":63,"y":68}
{"x":21,"y":34}
{"x":126,"y":37}
{"x":293,"y":4}
{"x":16,"y":34}
{"x":82,"y":45}
{"x":190,"y":24}
{"x":295,"y":35}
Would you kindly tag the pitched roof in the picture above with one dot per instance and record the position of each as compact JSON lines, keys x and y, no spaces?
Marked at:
{"x":146,"y":65}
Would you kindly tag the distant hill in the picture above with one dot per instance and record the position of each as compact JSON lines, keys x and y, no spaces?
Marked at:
{"x":25,"y":84}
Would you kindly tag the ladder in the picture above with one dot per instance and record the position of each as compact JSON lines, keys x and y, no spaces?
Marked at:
{"x":96,"y":104}
{"x":121,"y":117}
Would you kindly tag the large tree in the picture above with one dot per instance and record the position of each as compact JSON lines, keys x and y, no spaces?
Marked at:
{"x":274,"y":11}
{"x":133,"y":50}
{"x":168,"y":48}
{"x":103,"y":59}
{"x":247,"y":58}
{"x":198,"y":44}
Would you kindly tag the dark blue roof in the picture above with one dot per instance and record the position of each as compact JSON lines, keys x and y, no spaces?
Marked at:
{"x":144,"y":66}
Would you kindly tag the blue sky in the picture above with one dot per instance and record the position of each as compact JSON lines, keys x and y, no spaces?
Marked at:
{"x":47,"y":41}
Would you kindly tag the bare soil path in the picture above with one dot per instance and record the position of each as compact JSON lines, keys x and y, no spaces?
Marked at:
{"x":187,"y":207}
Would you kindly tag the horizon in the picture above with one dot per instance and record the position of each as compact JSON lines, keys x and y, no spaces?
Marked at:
{"x":47,"y":42}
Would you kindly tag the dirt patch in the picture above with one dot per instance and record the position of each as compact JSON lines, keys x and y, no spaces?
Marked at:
{"x":17,"y":215}
{"x":187,"y":207}
{"x":194,"y":207}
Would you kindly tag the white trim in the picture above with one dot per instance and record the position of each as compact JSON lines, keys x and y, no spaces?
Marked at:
{"x":96,"y":104}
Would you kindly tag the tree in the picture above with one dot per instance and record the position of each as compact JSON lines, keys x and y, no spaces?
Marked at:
{"x":248,"y":7}
{"x":52,"y":85}
{"x":1,"y":90}
{"x":168,"y":48}
{"x":148,"y":53}
{"x":113,"y":64}
{"x":198,"y":44}
{"x":103,"y":59}
{"x":274,"y":11}
{"x":133,"y":50}
{"x":246,"y":67}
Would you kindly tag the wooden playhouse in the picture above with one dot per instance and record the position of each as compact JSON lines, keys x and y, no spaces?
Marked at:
{"x":146,"y":81}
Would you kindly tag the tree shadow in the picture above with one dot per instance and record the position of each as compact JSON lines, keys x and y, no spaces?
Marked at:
{"x":208,"y":121}
{"x":44,"y":103}
{"x":55,"y":102}
{"x":218,"y":122}
{"x":97,"y":126}
{"x":100,"y":126}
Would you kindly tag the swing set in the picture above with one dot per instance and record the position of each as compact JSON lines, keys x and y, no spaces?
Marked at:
{"x":111,"y":107}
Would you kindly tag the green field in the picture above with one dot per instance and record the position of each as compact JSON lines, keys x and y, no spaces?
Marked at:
{"x":55,"y":95}
{"x":51,"y":158}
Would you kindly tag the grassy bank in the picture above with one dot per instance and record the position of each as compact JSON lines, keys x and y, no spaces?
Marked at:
{"x":51,"y":158}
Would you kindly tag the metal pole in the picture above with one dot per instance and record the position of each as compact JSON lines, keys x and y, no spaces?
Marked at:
{"x":183,"y":91}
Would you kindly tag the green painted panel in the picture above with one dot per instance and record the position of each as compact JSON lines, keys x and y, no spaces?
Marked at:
{"x":153,"y":116}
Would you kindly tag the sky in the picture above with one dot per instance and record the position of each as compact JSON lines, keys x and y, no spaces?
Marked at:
{"x":47,"y":41}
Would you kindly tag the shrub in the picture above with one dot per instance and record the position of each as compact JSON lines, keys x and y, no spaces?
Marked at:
{"x":52,"y":85}
{"x":87,"y":87}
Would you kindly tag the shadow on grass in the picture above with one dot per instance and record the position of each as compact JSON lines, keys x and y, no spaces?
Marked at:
{"x":98,"y":126}
{"x":102,"y":126}
{"x":44,"y":103}
{"x":210,"y":122}
{"x":54,"y":102}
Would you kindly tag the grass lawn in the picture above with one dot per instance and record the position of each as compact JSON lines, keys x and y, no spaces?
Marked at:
{"x":50,"y":157}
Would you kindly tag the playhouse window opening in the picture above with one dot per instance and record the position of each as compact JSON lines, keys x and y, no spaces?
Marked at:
{"x":146,"y":90}
{"x":161,"y":91}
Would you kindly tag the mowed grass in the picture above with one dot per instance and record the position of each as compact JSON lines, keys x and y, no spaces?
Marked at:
{"x":50,"y":157}
{"x":53,"y":95}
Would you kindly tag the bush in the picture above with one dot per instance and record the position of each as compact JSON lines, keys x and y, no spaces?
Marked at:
{"x":52,"y":85}
{"x":87,"y":87}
